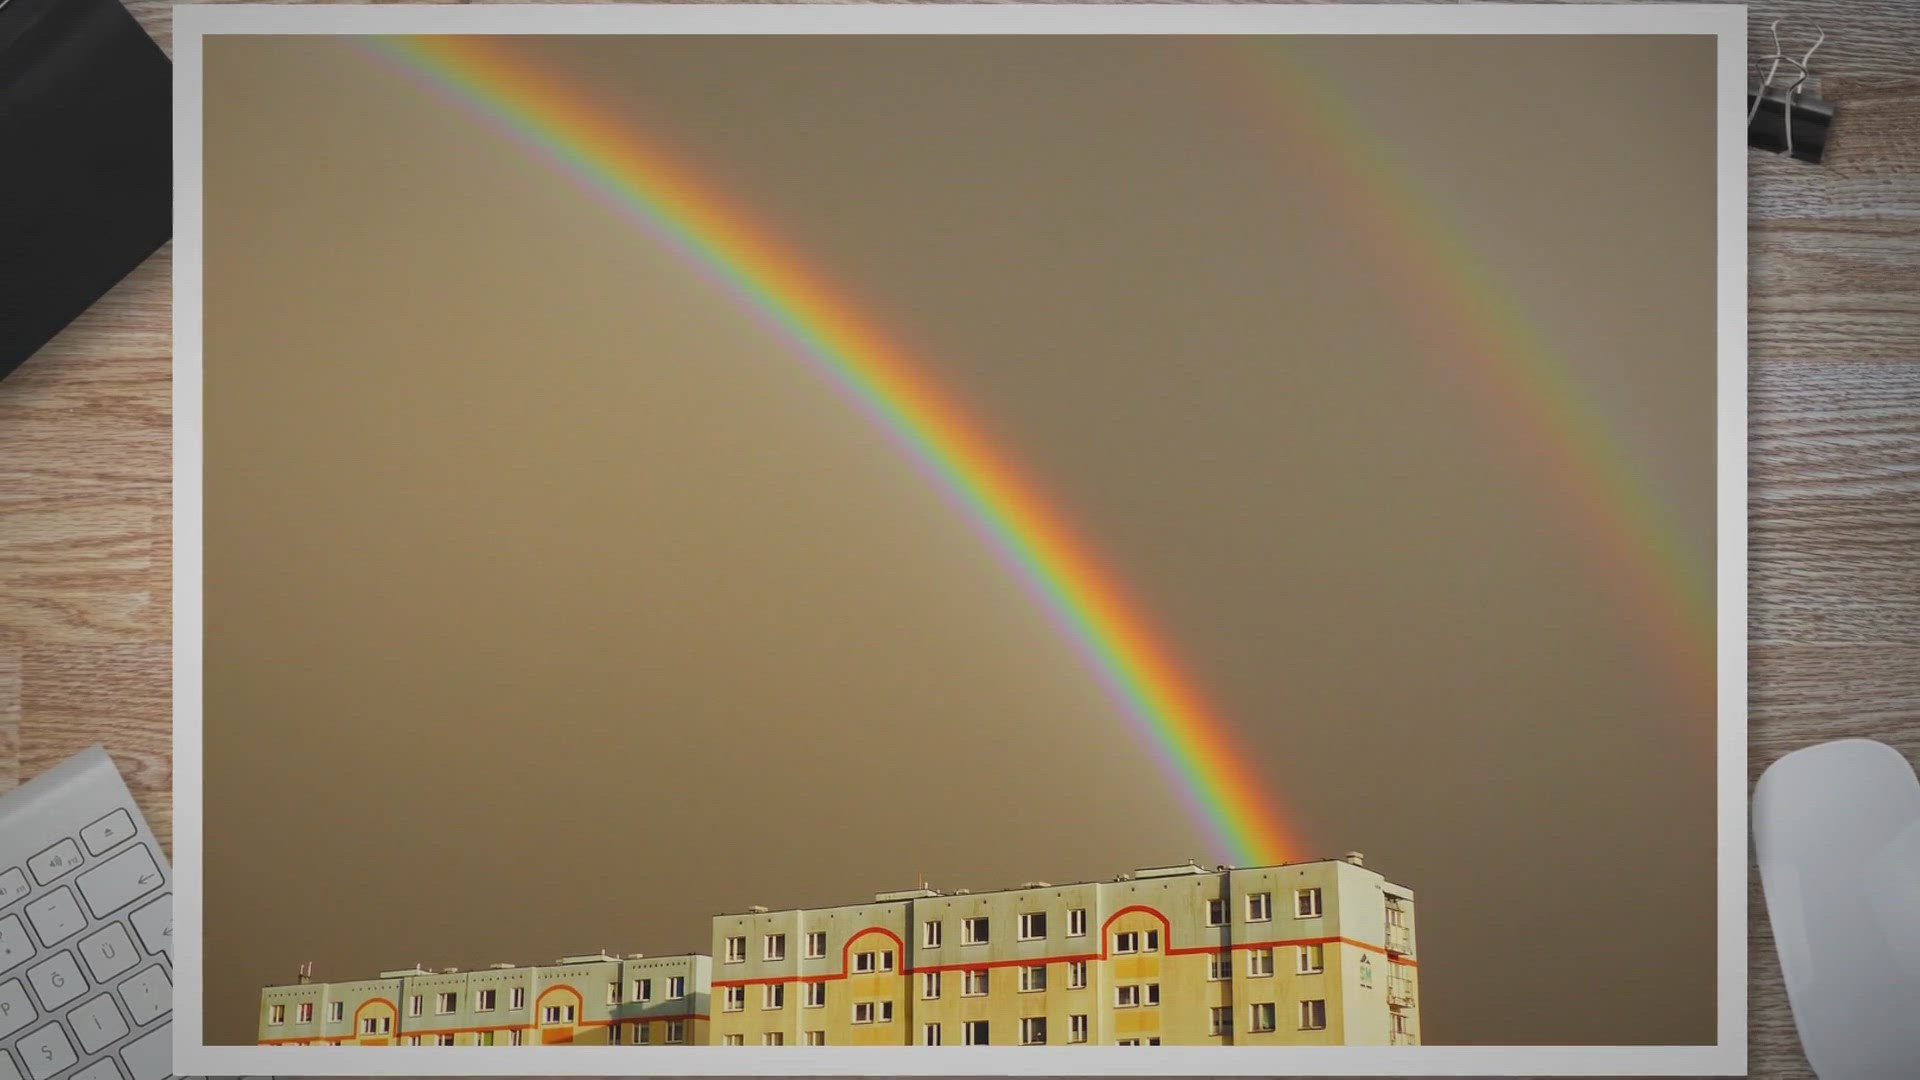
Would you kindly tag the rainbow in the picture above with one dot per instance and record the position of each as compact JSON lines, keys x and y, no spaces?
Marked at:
{"x":647,"y":184}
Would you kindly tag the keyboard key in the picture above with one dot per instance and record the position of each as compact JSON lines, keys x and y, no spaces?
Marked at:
{"x":104,"y":1069}
{"x":56,"y":916}
{"x":13,"y":886}
{"x":149,"y":995}
{"x":154,"y":924}
{"x":46,"y":1052}
{"x":108,"y":831}
{"x":8,"y":1070}
{"x":15,"y":947}
{"x":121,"y":880}
{"x":97,"y":1023}
{"x":108,"y":953}
{"x":150,"y":1057}
{"x":56,"y":861}
{"x":16,"y":1011}
{"x":57,"y":980}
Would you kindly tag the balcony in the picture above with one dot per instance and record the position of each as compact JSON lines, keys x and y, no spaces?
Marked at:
{"x":1403,"y":1038}
{"x":1399,"y":941}
{"x":1399,"y":995}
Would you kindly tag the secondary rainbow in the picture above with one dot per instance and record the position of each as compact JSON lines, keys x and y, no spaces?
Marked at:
{"x":641,"y":179}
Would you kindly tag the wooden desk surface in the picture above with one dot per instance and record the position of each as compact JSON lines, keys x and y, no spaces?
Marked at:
{"x":85,"y":553}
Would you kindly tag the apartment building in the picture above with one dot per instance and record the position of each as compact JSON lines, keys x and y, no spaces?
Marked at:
{"x":1318,"y":953}
{"x":594,"y":999}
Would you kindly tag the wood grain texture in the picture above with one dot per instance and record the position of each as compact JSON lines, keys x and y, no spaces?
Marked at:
{"x":1835,"y":497}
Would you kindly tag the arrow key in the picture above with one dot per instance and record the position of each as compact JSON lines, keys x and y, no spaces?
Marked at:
{"x":107,"y":832}
{"x":121,"y":880}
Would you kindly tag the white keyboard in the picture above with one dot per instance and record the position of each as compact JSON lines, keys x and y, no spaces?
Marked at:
{"x":86,"y":930}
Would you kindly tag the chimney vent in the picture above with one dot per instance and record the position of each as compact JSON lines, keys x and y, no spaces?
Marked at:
{"x":1355,"y":858}
{"x":306,"y":973}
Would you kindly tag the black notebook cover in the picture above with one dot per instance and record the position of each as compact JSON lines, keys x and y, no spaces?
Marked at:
{"x":86,"y":162}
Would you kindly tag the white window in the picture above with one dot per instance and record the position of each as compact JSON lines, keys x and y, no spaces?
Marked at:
{"x":1259,"y":906}
{"x":416,"y":1005}
{"x":445,"y":1003}
{"x":1077,"y":1028}
{"x":412,"y":1040}
{"x":443,"y":1040}
{"x":814,"y":996}
{"x":735,"y":1040}
{"x":643,"y":989}
{"x":1033,"y":977}
{"x":973,"y":931}
{"x":1310,"y":959}
{"x":642,"y":1034}
{"x":337,"y":1011}
{"x":1077,"y":975}
{"x":613,"y":993}
{"x":773,"y":996}
{"x":613,"y":1035}
{"x":816,"y":1038}
{"x":929,"y":984}
{"x":1220,"y":1020}
{"x":516,"y":1037}
{"x":1126,"y":941}
{"x":1127,"y":1042}
{"x":369,"y":1026}
{"x":736,"y":950}
{"x":930,"y":933}
{"x":1313,"y":1014}
{"x":1401,"y":1025}
{"x":1150,"y":941}
{"x":676,"y":1031}
{"x":973,"y":982}
{"x":1306,"y":903}
{"x":1033,"y":1031}
{"x":1077,"y":922}
{"x":1260,"y":1016}
{"x":1126,"y":997}
{"x":519,"y":1000}
{"x":974,"y":1033}
{"x":557,"y":1014}
{"x":817,"y":946}
{"x":304,"y":1014}
{"x":1259,"y":963}
{"x":1219,"y":967}
{"x":864,"y":1011}
{"x":484,"y":1000}
{"x":676,"y":988}
{"x":865,"y":963}
{"x":1216,"y":913}
{"x":1150,"y":994}
{"x":735,"y":999}
{"x":1033,"y":925}
{"x":773,"y":1038}
{"x":774,"y":947}
{"x":930,"y":1035}
{"x":276,"y":1015}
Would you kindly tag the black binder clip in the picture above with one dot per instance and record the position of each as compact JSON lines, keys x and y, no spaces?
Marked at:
{"x":1781,"y":116}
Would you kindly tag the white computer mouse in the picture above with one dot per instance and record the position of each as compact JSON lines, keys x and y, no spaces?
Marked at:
{"x":1836,"y":828}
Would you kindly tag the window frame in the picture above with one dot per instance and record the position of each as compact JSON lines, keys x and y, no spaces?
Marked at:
{"x":773,"y":947}
{"x":1024,"y":930}
{"x":1312,"y":1010}
{"x":1312,"y":898}
{"x":815,"y":947}
{"x":1031,"y":1025}
{"x":968,"y":926}
{"x":1262,"y":902}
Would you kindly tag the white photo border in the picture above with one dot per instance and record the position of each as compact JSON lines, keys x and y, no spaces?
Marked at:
{"x":1726,"y":23}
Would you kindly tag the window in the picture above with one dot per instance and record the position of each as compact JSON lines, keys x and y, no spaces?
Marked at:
{"x":483,"y":1000}
{"x":1260,"y":1016}
{"x":1306,"y":903}
{"x":376,"y":1025}
{"x":1077,"y":1028}
{"x":443,"y":1040}
{"x":304,"y":1014}
{"x":814,"y":996}
{"x":1033,"y":977}
{"x":412,"y":1040}
{"x":677,"y":987}
{"x":816,"y":944}
{"x":642,"y":1034}
{"x":873,"y":1012}
{"x":735,"y":999}
{"x":974,"y":1033}
{"x":1313,"y":1014}
{"x":276,"y":1015}
{"x":550,"y":1014}
{"x":676,"y":1031}
{"x":1311,"y":959}
{"x":774,"y":947}
{"x":773,"y":1038}
{"x":930,"y":1034}
{"x":519,"y":998}
{"x":929,"y":985}
{"x":1033,"y":925}
{"x":1220,"y":1020}
{"x":1150,"y":942}
{"x":1259,"y":906}
{"x":483,"y":1038}
{"x":1150,"y":994}
{"x":1216,"y":913}
{"x":865,"y":963}
{"x":973,"y":931}
{"x":930,"y":934}
{"x":613,"y":993}
{"x":736,"y":950}
{"x":643,"y":989}
{"x":1127,"y":1042}
{"x":1077,"y":975}
{"x":816,"y":1038}
{"x":973,"y":982}
{"x":516,"y":1037}
{"x":1127,"y":941}
{"x":1077,"y":922}
{"x":773,"y":996}
{"x":1259,"y":963}
{"x":445,"y":1003}
{"x":613,"y":1035}
{"x":735,"y":1040}
{"x":1126,"y":997}
{"x":1219,"y":967}
{"x":416,"y":1005}
{"x":1033,"y":1031}
{"x":337,"y":1011}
